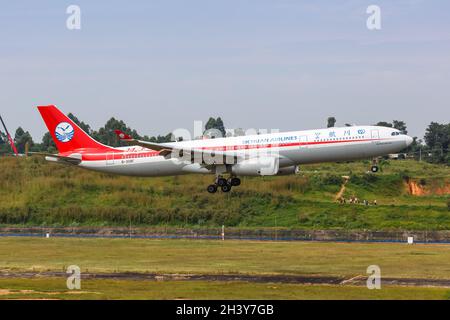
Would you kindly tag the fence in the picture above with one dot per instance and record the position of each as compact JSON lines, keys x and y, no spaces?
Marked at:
{"x":271,"y":234}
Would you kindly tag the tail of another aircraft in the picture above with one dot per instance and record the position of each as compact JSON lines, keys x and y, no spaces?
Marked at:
{"x":10,"y":139}
{"x":66,"y":134}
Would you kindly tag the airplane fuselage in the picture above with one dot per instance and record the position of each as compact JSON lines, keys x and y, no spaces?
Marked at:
{"x":291,"y":149}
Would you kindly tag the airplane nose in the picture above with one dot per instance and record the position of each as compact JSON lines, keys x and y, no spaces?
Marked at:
{"x":408,"y":140}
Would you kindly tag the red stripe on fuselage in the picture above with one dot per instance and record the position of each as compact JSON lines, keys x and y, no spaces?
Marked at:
{"x":279,"y":145}
{"x":124,"y":154}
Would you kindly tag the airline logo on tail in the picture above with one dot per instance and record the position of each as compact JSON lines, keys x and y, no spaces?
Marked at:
{"x":64,"y":132}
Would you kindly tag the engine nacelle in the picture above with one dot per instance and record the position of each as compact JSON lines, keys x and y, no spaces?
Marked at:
{"x":263,"y":166}
{"x":288,"y":170}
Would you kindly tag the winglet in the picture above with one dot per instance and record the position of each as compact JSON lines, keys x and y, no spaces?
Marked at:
{"x":123,"y":136}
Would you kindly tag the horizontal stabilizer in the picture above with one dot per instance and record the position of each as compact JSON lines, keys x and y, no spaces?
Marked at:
{"x":74,"y":159}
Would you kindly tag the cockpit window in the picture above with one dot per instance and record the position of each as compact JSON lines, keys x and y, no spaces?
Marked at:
{"x":395,"y":133}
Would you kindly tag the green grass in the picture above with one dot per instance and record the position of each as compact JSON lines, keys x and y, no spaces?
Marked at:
{"x":55,"y":288}
{"x":33,"y":192}
{"x":345,"y":260}
{"x":225,"y":257}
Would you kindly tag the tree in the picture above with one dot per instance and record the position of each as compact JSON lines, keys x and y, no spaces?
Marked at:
{"x":210,"y":124}
{"x":86,"y":128}
{"x":167,"y":138}
{"x":384,"y":124}
{"x":2,"y":138}
{"x":437,"y":138}
{"x":215,"y":128}
{"x":47,"y":145}
{"x":400,"y":125}
{"x":106,"y":134}
{"x":220,"y":126}
{"x":414,"y":146}
{"x":396,"y":124}
{"x":331,"y":121}
{"x":4,"y":145}
{"x":437,"y":135}
{"x":21,"y":138}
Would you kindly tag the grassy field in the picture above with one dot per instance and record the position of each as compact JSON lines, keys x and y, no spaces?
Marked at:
{"x":345,"y":260}
{"x":217,"y":257}
{"x":33,"y":192}
{"x":55,"y":288}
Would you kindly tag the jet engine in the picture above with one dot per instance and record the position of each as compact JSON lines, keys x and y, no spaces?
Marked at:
{"x":288,"y":170}
{"x":261,"y":166}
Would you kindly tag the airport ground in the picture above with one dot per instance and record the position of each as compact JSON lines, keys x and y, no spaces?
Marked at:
{"x":34,"y":268}
{"x":411,"y":197}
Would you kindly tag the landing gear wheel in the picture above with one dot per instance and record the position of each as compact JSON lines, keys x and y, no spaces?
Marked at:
{"x":221,"y":182}
{"x":234,"y":181}
{"x":212,"y":188}
{"x":226,"y":188}
{"x":374,"y":169}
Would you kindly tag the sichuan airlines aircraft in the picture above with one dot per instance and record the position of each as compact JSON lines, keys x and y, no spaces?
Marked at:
{"x":256,"y":155}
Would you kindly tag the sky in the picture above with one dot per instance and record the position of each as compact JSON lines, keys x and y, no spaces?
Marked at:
{"x":279,"y":64}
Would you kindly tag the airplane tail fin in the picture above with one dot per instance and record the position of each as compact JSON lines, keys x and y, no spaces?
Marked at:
{"x":10,"y":139}
{"x":66,"y":134}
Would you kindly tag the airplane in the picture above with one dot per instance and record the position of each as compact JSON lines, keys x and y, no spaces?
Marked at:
{"x":10,"y":139}
{"x":269,"y":154}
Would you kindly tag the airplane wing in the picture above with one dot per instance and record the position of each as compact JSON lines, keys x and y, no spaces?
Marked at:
{"x":165,"y":149}
{"x":75,"y":159}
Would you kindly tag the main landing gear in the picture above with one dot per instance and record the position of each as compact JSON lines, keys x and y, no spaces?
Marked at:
{"x":224,"y":184}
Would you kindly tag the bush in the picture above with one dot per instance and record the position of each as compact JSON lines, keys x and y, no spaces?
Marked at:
{"x":364,"y":180}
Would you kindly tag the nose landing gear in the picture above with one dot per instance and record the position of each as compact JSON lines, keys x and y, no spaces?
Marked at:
{"x":224,"y":184}
{"x":374,"y":168}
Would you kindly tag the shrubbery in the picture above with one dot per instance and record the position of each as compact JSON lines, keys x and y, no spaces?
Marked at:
{"x":33,"y":192}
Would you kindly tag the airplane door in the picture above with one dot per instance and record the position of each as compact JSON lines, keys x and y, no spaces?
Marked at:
{"x":110,"y":158}
{"x":375,"y":134}
{"x":303,"y":142}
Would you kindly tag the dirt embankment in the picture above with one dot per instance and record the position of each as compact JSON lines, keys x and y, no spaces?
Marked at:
{"x":422,"y":187}
{"x":359,"y":280}
{"x":342,"y":190}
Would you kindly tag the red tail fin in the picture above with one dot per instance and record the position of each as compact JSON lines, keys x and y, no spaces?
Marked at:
{"x":13,"y":146}
{"x":10,"y":139}
{"x":65,"y":133}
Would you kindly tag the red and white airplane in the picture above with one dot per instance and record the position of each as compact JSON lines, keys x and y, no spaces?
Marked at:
{"x":255,"y":155}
